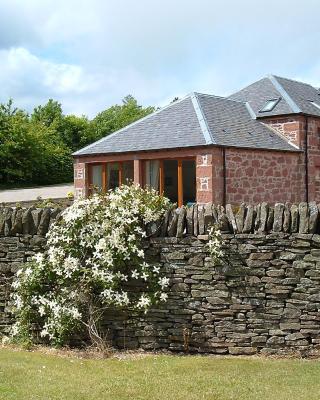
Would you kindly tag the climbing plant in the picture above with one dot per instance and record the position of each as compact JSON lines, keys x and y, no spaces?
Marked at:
{"x":94,"y":259}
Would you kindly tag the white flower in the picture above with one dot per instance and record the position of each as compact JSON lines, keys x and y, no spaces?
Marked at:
{"x":143,"y":302}
{"x":125,"y":298}
{"x":28,"y":271}
{"x":75,"y":313}
{"x":135,"y":274}
{"x":140,"y":253}
{"x":164,"y":282}
{"x":16,"y":284}
{"x":41,"y":310}
{"x":107,"y":293}
{"x":156,"y":269}
{"x":38,"y":258}
{"x":163,"y":296}
{"x":144,"y":276}
{"x":95,"y":238}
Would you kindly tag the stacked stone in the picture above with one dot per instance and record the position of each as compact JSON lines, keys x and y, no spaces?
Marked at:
{"x":14,"y":251}
{"x":30,"y":221}
{"x":262,"y":297}
{"x":22,"y":234}
{"x":198,"y":219}
{"x":195,"y":220}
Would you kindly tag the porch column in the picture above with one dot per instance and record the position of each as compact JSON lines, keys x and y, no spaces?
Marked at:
{"x":80,"y":175}
{"x":137,"y":172}
{"x":209,"y":176}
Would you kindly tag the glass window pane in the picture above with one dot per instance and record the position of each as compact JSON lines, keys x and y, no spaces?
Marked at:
{"x":189,"y":181}
{"x":97,"y":176}
{"x":152,"y":174}
{"x":269,"y":105}
{"x":112,"y":175}
{"x":127,"y":172}
{"x":170,"y":168}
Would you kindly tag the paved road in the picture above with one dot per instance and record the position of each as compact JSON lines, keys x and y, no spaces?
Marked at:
{"x":45,"y":192}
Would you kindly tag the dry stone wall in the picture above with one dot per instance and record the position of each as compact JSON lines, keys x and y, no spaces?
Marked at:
{"x":263,"y":296}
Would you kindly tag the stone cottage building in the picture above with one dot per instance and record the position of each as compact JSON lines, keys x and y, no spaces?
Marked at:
{"x":262,"y":143}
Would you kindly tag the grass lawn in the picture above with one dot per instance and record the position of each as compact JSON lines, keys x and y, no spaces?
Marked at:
{"x":33,"y":375}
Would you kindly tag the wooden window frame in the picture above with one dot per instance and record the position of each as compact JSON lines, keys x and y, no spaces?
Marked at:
{"x":161,"y":174}
{"x":105,"y":174}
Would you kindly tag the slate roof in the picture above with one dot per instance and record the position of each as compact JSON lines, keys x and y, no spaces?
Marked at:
{"x":196,"y":120}
{"x":231,"y":124}
{"x":294,"y":96}
{"x":173,"y":126}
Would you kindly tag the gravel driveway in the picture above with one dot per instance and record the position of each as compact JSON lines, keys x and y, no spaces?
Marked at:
{"x":45,"y":192}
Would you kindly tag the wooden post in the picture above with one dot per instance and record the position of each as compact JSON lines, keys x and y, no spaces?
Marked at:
{"x":137,"y":172}
{"x":104,"y":177}
{"x":180,"y":184}
{"x":90,"y":179}
{"x":161,"y":178}
{"x":120,"y":173}
{"x":107,"y":182}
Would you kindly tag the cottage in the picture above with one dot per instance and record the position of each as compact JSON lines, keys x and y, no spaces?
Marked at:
{"x":259,"y":144}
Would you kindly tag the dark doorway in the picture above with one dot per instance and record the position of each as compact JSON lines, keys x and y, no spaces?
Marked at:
{"x":170,"y":185}
{"x":189,"y":181}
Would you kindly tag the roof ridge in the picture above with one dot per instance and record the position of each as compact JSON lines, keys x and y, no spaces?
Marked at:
{"x":221,"y":97}
{"x":291,"y":103}
{"x":294,"y":80}
{"x":250,"y":110}
{"x":247,"y":86}
{"x":202,"y":119}
{"x":132,"y":124}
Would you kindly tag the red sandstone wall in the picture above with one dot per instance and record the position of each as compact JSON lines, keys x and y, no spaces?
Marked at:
{"x":294,"y":129}
{"x":314,"y":158}
{"x":79,"y":179}
{"x":209,"y":172}
{"x":290,"y":127}
{"x":255,"y":176}
{"x":252,"y":175}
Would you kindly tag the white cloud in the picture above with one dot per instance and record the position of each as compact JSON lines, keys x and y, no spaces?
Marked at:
{"x":89,"y":54}
{"x":29,"y":79}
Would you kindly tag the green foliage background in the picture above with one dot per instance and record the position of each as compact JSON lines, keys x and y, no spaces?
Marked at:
{"x":36,"y":148}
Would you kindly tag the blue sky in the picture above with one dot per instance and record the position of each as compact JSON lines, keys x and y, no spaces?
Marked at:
{"x":90,"y":54}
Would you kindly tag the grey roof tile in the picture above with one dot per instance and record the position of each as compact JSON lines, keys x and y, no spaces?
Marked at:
{"x":258,"y":93}
{"x":230,"y":124}
{"x":302,"y":93}
{"x":200,"y":120}
{"x":294,"y":96}
{"x":174,"y":126}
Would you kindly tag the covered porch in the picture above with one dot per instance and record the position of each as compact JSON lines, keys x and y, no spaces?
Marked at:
{"x":185,"y":176}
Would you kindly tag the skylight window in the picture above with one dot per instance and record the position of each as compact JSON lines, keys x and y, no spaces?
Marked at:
{"x":315,"y":104}
{"x":270,"y":105}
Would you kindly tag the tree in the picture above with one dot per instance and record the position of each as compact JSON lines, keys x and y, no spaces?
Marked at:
{"x":119,"y":116}
{"x":51,"y":157}
{"x":76,"y":132}
{"x":37,"y":148}
{"x":47,"y":114}
{"x":15,"y":145}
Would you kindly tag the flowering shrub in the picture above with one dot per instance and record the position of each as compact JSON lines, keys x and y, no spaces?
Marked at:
{"x":94,"y":257}
{"x":215,"y":243}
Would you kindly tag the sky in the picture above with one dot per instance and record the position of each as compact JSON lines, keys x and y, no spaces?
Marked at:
{"x":89,"y":54}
